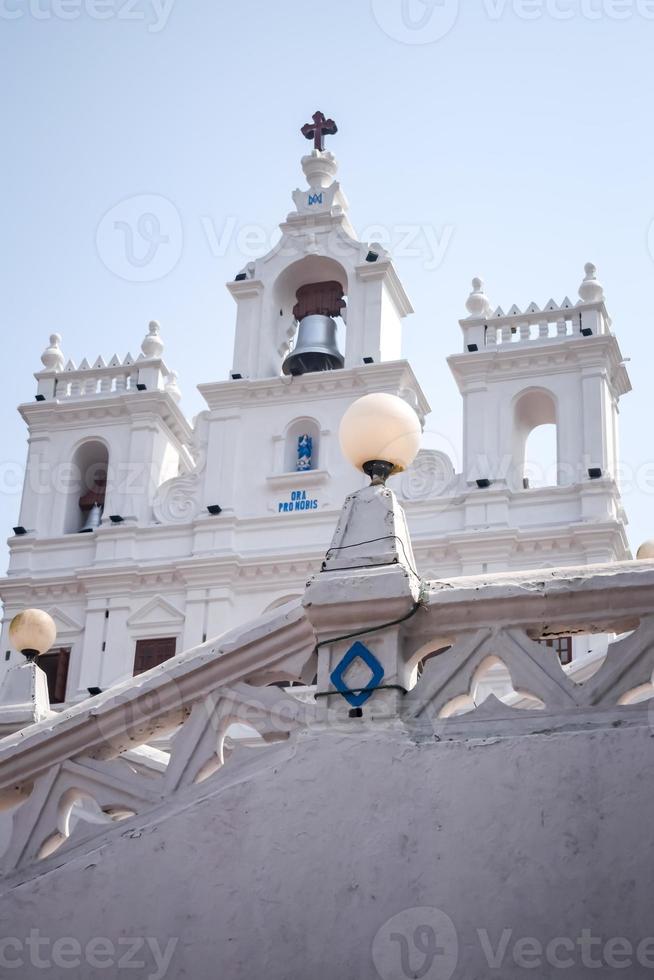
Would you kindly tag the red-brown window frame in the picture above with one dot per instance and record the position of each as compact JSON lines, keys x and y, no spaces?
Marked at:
{"x":153,"y":651}
{"x":563,"y":647}
{"x":54,"y":665}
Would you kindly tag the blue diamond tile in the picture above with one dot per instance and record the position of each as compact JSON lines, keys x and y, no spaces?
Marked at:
{"x":360,"y":652}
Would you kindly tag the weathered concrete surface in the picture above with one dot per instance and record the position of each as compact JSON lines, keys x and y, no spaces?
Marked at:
{"x":291,"y":871}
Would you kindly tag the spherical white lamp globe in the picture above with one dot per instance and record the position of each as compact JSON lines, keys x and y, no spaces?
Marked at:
{"x":380,"y":434}
{"x":32,"y":632}
{"x":645,"y":551}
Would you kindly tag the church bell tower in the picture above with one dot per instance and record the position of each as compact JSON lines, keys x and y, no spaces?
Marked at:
{"x":320,"y":300}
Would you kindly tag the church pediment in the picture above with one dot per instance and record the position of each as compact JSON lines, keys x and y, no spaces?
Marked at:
{"x":155,"y":612}
{"x":65,"y":624}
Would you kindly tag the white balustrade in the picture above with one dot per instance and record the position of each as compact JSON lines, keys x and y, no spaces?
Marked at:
{"x":72,"y":777}
{"x":90,"y":382}
{"x":553,"y":323}
{"x":539,"y":326}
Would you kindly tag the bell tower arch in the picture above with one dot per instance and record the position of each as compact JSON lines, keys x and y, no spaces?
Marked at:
{"x":318,"y":246}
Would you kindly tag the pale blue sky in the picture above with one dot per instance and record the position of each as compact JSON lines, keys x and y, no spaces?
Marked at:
{"x":521,"y":140}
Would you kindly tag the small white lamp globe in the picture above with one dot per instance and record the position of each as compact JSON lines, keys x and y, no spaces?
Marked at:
{"x":380,"y":434}
{"x":32,"y":632}
{"x":645,"y":551}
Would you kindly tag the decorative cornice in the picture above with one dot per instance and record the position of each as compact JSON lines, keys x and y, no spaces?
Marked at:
{"x":245,"y":288}
{"x":482,"y":544}
{"x":253,"y":571}
{"x":110,"y":409}
{"x":389,"y":376}
{"x":206,"y":570}
{"x":601,"y":351}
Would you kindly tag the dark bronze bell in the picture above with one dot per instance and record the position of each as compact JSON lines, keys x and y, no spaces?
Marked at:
{"x":316,"y":348}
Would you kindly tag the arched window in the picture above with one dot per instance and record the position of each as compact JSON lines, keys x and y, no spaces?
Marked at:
{"x":88,"y":487}
{"x":302,"y":446}
{"x":540,"y":465}
{"x":535,"y":439}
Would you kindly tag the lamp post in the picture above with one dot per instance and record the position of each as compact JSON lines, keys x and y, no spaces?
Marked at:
{"x":368,"y":586}
{"x":24,"y":695}
{"x":32,"y":632}
{"x":380,"y":435}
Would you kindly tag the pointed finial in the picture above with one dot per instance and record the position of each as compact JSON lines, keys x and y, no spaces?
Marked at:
{"x":477,"y":303}
{"x":52,"y":357}
{"x":591,"y":289}
{"x":152,"y":345}
{"x":172,"y":387}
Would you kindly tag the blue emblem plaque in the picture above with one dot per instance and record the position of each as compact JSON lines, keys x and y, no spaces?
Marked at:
{"x":360,"y":695}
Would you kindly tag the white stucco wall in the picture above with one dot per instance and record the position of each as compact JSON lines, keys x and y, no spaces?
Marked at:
{"x":294,"y":868}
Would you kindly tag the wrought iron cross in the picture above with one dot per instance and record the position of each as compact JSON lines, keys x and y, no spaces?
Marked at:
{"x":318,"y":129}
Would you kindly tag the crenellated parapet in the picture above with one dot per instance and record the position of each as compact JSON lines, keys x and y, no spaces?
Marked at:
{"x":63,"y":379}
{"x":487,"y":328}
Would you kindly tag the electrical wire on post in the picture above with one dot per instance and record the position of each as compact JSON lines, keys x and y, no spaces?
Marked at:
{"x":395,"y":622}
{"x":381,"y":564}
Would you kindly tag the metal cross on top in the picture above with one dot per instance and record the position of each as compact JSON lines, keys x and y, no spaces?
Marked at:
{"x":318,"y":129}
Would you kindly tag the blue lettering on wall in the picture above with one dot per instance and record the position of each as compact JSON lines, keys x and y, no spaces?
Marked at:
{"x":315,"y":199}
{"x":298,"y":503}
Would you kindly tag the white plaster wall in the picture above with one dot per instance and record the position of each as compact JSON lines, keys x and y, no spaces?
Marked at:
{"x":290,"y":871}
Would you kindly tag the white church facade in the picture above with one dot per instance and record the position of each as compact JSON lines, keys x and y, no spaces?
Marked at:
{"x":143,"y":534}
{"x":409,"y":814}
